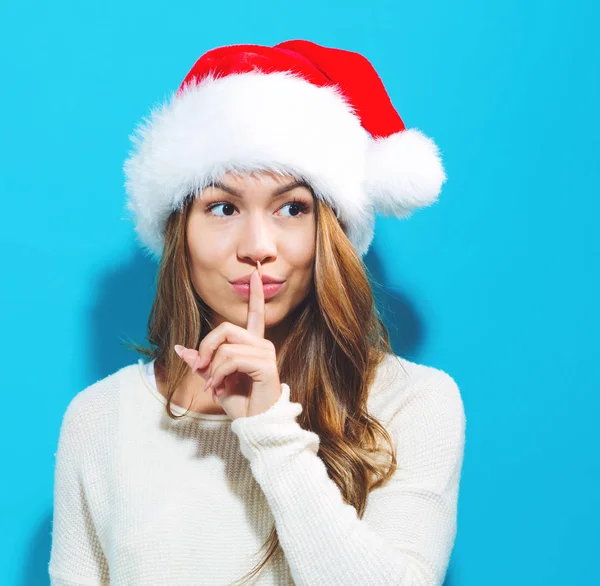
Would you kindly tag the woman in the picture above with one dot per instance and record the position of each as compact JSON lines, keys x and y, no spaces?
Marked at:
{"x":271,"y":415}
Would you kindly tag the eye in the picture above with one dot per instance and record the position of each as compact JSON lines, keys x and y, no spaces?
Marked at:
{"x":216,"y":205}
{"x":300,"y":207}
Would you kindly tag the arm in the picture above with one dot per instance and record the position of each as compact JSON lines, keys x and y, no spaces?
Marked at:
{"x":76,"y":558}
{"x":407,"y":533}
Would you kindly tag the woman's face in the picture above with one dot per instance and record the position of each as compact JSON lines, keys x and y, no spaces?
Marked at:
{"x":244,"y":219}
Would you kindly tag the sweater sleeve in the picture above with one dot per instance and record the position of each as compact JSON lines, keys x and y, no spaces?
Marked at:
{"x":76,"y":557}
{"x":407,"y":532}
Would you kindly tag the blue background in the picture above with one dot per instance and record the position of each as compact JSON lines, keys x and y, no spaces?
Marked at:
{"x":497,"y":283}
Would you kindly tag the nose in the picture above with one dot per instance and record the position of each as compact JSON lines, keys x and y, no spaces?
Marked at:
{"x":257,"y":241}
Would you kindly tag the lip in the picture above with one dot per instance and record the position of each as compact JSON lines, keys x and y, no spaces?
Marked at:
{"x":265,"y":279}
{"x":269,"y":289}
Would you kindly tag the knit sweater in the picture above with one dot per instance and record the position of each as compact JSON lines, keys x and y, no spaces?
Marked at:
{"x":142,"y":500}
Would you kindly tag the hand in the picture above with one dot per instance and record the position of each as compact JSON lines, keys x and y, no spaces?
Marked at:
{"x":241,"y":363}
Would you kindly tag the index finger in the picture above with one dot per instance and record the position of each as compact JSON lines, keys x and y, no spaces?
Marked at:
{"x":256,"y":305}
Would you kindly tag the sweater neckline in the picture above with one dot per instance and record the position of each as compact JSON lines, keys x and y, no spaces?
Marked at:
{"x":178,"y":410}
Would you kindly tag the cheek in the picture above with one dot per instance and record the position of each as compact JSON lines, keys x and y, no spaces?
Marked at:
{"x":301,"y":262}
{"x":299,"y":247}
{"x":204,"y":259}
{"x":205,"y":249}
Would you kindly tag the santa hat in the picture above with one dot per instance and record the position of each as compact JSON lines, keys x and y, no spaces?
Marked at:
{"x":319,"y":114}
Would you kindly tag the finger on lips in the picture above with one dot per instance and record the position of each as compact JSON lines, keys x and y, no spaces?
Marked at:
{"x":255,"y":325}
{"x":256,"y":306}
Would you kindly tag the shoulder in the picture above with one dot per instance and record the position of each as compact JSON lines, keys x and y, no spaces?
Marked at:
{"x":406,"y":390}
{"x":94,"y":405}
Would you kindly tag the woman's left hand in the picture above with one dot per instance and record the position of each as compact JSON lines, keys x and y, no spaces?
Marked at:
{"x":241,"y":363}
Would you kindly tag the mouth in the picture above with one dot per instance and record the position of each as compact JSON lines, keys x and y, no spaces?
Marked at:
{"x":269,"y":289}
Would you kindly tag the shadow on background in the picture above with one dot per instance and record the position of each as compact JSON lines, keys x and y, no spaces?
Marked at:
{"x":35,"y":571}
{"x":121,"y":311}
{"x":121,"y":314}
{"x":400,"y":317}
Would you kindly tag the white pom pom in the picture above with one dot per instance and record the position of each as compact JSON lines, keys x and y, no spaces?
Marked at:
{"x":404,"y":172}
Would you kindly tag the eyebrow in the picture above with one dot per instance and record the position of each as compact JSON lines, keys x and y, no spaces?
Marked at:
{"x":279,"y":191}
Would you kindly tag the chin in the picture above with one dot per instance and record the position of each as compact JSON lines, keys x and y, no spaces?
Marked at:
{"x":238,"y":314}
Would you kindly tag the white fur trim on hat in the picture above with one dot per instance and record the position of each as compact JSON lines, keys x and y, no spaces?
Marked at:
{"x":279,"y":122}
{"x":244,"y":122}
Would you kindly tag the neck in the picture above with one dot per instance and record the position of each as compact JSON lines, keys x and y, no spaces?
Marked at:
{"x":278,"y":333}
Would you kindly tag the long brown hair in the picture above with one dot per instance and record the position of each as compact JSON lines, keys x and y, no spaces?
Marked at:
{"x":338,"y":320}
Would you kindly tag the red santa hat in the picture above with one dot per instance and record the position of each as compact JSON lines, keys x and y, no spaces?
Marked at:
{"x":319,"y":114}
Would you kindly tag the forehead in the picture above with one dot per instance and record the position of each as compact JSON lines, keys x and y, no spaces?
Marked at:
{"x":255,"y":183}
{"x":257,"y":178}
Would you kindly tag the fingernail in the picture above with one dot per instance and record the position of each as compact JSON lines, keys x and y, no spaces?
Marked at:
{"x":196,"y":363}
{"x":179,"y":349}
{"x":259,"y":269}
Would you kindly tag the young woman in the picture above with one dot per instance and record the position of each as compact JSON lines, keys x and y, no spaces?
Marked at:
{"x":272,"y":411}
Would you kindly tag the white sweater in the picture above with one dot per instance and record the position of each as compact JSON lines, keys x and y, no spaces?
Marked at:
{"x":141,"y":500}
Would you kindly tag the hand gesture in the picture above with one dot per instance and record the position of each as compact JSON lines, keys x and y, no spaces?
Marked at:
{"x":240,"y":362}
